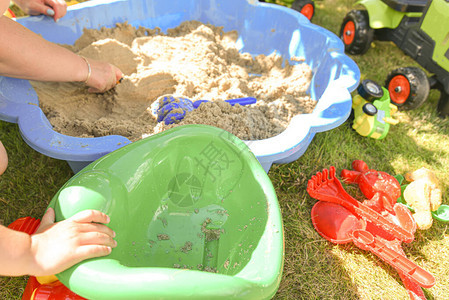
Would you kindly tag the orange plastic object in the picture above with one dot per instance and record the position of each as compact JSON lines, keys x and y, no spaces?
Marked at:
{"x":338,"y":225}
{"x":378,"y":239}
{"x":52,"y":291}
{"x":326,"y":187}
{"x":334,"y":222}
{"x":27,"y":224}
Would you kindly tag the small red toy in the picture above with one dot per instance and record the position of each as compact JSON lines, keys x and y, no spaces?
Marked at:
{"x":377,"y":224}
{"x":381,"y":189}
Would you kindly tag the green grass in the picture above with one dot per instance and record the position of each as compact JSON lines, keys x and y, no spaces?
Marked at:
{"x":314,"y":268}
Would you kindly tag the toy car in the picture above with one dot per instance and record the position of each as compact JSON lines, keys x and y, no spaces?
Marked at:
{"x":420,"y":28}
{"x":372,"y":110}
{"x":306,"y":7}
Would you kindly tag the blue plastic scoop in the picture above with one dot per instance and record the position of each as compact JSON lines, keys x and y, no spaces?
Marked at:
{"x":170,"y":109}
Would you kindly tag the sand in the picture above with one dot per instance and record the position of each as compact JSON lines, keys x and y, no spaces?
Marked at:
{"x":193,"y":60}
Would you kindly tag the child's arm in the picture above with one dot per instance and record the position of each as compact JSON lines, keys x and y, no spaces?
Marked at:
{"x":55,"y":246}
{"x":24,"y":54}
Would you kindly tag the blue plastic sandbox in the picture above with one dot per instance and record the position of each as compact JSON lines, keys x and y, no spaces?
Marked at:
{"x":263,"y":29}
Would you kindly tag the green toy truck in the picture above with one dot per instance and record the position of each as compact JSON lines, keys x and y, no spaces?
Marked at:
{"x":420,"y":28}
{"x":372,"y":110}
{"x":306,"y":7}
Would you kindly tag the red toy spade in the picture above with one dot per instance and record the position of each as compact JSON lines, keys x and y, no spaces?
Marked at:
{"x":377,"y":227}
{"x":339,"y":225}
{"x":326,"y":187}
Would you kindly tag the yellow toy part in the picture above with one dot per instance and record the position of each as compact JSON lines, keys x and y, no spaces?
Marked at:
{"x":9,"y":13}
{"x":71,"y":2}
{"x":375,"y":124}
{"x":423,"y":195}
{"x":46,"y":279}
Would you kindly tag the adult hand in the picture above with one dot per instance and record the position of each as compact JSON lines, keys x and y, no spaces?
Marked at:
{"x":58,"y":246}
{"x":52,"y":8}
{"x":104,"y":76}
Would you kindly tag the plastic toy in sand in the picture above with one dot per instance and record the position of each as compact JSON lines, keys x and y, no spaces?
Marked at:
{"x":171,"y":109}
{"x":423,"y":197}
{"x":196,"y":217}
{"x":373,"y":110}
{"x":340,"y":218}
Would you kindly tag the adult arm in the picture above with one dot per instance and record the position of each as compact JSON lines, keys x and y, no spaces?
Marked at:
{"x":24,"y":54}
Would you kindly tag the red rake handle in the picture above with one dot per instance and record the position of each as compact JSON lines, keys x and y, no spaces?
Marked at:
{"x":366,"y":241}
{"x":326,"y":187}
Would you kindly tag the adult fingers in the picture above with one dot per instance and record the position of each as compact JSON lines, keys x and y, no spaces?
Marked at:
{"x":118,"y":74}
{"x":38,"y":8}
{"x":90,"y":215}
{"x":106,"y":77}
{"x":58,"y":7}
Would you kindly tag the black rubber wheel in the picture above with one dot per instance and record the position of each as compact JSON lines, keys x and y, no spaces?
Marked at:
{"x":369,"y":109}
{"x":370,"y":90}
{"x":443,"y":104}
{"x":408,"y":87}
{"x":305,"y":7}
{"x":356,"y":33}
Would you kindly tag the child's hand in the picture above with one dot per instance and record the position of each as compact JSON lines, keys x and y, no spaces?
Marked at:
{"x":104,"y":76}
{"x":3,"y":159}
{"x":58,"y":246}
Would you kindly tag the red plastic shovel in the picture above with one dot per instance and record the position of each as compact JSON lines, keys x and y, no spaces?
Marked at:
{"x":325,"y":186}
{"x":338,"y":225}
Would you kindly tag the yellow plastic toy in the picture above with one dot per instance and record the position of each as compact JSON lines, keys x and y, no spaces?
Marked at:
{"x":373,"y":110}
{"x":9,"y":13}
{"x":423,"y":195}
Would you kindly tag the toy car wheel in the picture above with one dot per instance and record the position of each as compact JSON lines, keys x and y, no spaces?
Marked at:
{"x":356,"y":33}
{"x":305,"y":7}
{"x":370,"y":90}
{"x":408,"y":87}
{"x":369,"y":109}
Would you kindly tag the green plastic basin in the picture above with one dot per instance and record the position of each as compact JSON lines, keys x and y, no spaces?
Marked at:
{"x":196,"y":216}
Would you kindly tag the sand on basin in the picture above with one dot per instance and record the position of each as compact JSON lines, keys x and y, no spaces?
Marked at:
{"x":193,"y":60}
